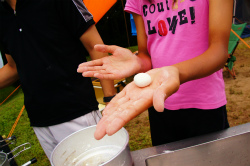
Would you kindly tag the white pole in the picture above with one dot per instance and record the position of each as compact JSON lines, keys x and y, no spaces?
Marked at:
{"x":234,"y":11}
{"x":1,"y":61}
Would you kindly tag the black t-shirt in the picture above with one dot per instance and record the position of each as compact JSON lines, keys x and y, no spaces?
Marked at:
{"x":42,"y":36}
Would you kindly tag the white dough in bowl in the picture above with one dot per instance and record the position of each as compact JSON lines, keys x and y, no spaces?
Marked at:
{"x":142,"y":79}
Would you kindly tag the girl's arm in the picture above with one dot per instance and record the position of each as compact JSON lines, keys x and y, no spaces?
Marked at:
{"x":212,"y":60}
{"x":143,"y":55}
{"x":220,"y":21}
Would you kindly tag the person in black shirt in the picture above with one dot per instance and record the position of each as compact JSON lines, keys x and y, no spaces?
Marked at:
{"x":44,"y":41}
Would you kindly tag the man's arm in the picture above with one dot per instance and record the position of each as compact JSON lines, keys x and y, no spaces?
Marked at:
{"x":8,"y":73}
{"x":89,"y":39}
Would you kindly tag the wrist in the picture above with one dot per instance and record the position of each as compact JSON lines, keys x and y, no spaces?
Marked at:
{"x":108,"y":98}
{"x":143,"y":62}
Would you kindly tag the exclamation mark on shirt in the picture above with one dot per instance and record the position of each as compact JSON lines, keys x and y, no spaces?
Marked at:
{"x":192,"y":14}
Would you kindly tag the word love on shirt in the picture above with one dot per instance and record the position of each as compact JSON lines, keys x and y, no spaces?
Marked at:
{"x":172,"y":21}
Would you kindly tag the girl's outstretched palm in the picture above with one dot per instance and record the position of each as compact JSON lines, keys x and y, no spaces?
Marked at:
{"x":133,"y":100}
{"x":121,"y":64}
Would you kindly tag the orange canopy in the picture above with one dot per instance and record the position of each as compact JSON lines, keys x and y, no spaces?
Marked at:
{"x":98,"y":7}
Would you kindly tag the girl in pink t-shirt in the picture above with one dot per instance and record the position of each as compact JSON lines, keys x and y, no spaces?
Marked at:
{"x":182,"y":45}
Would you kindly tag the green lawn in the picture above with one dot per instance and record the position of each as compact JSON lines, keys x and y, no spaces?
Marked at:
{"x":9,"y":111}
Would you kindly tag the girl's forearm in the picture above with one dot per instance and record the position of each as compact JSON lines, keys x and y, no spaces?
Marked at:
{"x":204,"y":65}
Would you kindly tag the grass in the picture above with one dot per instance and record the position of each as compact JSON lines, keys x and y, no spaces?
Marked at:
{"x":9,"y":111}
{"x":139,"y":132}
{"x":133,"y":48}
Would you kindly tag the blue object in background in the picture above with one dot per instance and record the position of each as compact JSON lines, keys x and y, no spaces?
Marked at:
{"x":246,"y":32}
{"x":133,"y":28}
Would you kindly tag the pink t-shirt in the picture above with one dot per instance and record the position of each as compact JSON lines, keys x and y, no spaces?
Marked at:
{"x":176,"y":35}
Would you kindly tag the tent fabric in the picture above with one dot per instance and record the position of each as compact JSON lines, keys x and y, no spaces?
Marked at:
{"x":243,"y":10}
{"x":233,"y":40}
{"x":236,"y":32}
{"x":231,"y":62}
{"x":98,"y":8}
{"x":246,"y":32}
{"x":242,"y":14}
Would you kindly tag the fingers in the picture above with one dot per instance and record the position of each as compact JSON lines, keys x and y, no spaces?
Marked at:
{"x":95,"y":68}
{"x":101,"y":74}
{"x":93,"y":65}
{"x":83,"y":69}
{"x":114,"y":121}
{"x":97,"y":62}
{"x":109,"y":109}
{"x":124,"y":114}
{"x":120,"y":111}
{"x":105,"y":126}
{"x":105,"y":48}
{"x":105,"y":75}
{"x":109,"y":124}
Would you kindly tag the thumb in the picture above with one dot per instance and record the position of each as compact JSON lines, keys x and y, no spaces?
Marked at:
{"x":159,"y":99}
{"x":162,"y":93}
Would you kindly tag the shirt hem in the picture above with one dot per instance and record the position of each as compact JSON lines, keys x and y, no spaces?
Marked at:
{"x":60,"y":120}
{"x":195,"y":105}
{"x":131,"y":10}
{"x":85,"y":28}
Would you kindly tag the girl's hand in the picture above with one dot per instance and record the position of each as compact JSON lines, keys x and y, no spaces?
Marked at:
{"x":121,"y":64}
{"x":133,"y":100}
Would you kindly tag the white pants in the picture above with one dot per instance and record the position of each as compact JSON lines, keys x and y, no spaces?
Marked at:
{"x":50,"y":136}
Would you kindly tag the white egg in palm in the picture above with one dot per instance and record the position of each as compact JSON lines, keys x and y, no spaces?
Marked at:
{"x":142,"y":79}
